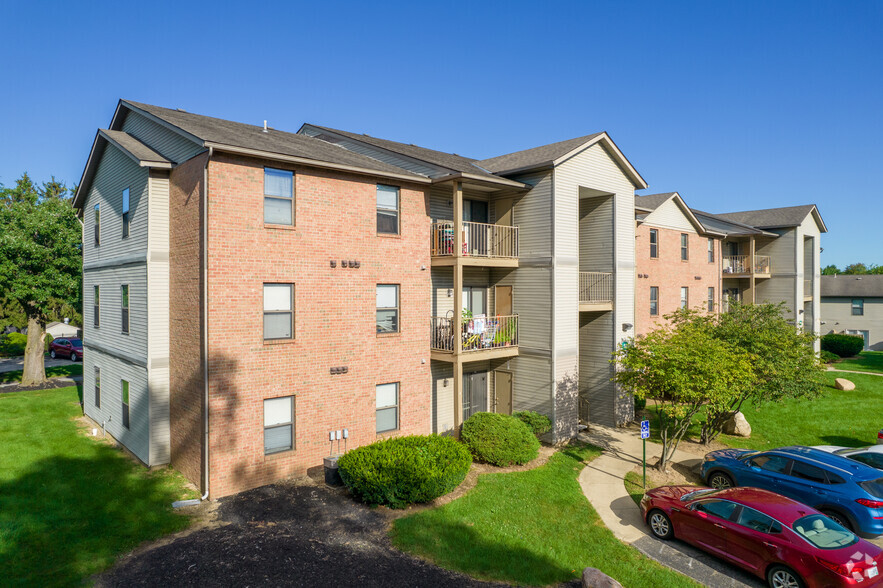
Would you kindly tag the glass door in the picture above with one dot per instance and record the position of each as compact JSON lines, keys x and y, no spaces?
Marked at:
{"x":474,"y":393}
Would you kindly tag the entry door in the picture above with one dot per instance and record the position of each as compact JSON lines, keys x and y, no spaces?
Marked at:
{"x":475,"y":211}
{"x":474,"y":393}
{"x":733,"y":248}
{"x":503,"y":392}
{"x":503,"y":300}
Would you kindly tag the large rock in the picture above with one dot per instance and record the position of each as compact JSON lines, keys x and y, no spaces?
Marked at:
{"x":595,"y":578}
{"x":844,"y":384}
{"x":737,"y":425}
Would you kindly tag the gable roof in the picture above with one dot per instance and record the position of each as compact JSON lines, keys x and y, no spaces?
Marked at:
{"x":715,"y":222}
{"x":555,"y":153}
{"x":850,"y":285}
{"x":775,"y":218}
{"x":651,"y":202}
{"x":135,"y":149}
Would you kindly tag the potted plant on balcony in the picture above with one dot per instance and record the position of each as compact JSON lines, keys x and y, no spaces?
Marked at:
{"x":505,"y":332}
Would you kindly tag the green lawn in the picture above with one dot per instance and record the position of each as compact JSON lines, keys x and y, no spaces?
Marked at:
{"x":69,"y":505}
{"x":528,"y":528}
{"x":634,"y":486}
{"x":75,"y":369}
{"x":836,"y":418}
{"x":867,"y":361}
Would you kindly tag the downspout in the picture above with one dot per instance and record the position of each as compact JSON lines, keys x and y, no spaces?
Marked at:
{"x":555,"y":423}
{"x":205,"y":403}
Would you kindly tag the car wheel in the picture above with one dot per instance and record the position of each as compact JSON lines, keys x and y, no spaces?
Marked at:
{"x":52,"y":354}
{"x":782,"y":577}
{"x":839,"y":519}
{"x":720,"y":480}
{"x":660,"y":524}
{"x":73,"y":356}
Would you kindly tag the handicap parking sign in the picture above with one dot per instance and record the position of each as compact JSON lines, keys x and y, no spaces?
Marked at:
{"x":645,"y":429}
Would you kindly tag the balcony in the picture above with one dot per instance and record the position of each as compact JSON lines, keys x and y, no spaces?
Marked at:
{"x":479,"y":338}
{"x":739,"y":265}
{"x":595,"y":291}
{"x":479,"y":244}
{"x":807,"y":290}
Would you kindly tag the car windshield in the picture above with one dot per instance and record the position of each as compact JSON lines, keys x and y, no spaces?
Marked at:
{"x":697,"y":493}
{"x":846,"y":450}
{"x":823,"y":532}
{"x":76,"y":342}
{"x":873,"y":487}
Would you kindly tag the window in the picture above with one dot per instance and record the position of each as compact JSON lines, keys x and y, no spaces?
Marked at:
{"x":858,"y":307}
{"x":97,"y":225}
{"x":387,"y":308}
{"x":387,"y":407}
{"x":474,"y":301}
{"x":654,"y":243}
{"x":685,"y":297}
{"x":278,"y":197}
{"x":771,"y":463}
{"x":654,"y":301}
{"x":387,"y":209}
{"x":710,"y":250}
{"x":718,"y":508}
{"x":125,"y":397}
{"x":97,"y":387}
{"x":124,"y":306}
{"x":805,"y":471}
{"x":278,"y":424}
{"x":758,"y":521}
{"x":125,"y":213}
{"x":710,"y":299}
{"x":278,"y":311}
{"x":684,"y":248}
{"x":96,"y":305}
{"x":875,"y":460}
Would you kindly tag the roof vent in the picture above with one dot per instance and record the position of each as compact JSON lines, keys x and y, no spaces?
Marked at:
{"x":265,"y":125}
{"x":180,"y":110}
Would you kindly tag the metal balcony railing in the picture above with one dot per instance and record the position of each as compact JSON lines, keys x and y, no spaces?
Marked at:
{"x":474,"y":240}
{"x":739,"y":264}
{"x":595,"y":287}
{"x":475,"y":334}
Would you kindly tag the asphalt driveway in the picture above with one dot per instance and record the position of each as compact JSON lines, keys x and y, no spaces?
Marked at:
{"x":14,"y":364}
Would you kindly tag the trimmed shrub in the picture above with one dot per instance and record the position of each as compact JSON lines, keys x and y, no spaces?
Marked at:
{"x":13,"y":344}
{"x":828,"y":357}
{"x":640,"y":404}
{"x":842,"y":344}
{"x":400,"y":471}
{"x":499,"y":439}
{"x":536,"y":422}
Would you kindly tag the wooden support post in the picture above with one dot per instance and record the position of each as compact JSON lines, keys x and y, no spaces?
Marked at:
{"x":458,"y":306}
{"x":752,"y":284}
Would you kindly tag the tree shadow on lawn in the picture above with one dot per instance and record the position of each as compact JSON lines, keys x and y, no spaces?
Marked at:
{"x":65,"y":518}
{"x":845,"y":441}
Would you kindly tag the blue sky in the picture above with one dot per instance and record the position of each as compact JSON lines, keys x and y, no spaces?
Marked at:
{"x":736,"y":105}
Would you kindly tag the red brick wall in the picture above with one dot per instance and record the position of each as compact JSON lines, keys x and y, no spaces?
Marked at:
{"x":669,"y":273}
{"x":185,"y":314}
{"x":335,"y":312}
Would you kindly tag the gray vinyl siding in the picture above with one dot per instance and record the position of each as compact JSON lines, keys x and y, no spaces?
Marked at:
{"x":670,"y":216}
{"x":158,"y":318}
{"x":116,"y":171}
{"x":531,"y":301}
{"x":109,"y":334}
{"x":780,"y":250}
{"x":596,"y":390}
{"x":443,"y":280}
{"x":113,"y":371}
{"x":837,"y":315}
{"x":532,"y":386}
{"x":778,"y":289}
{"x":596,"y":234}
{"x":442,"y":397}
{"x":532,"y":215}
{"x":168,"y":143}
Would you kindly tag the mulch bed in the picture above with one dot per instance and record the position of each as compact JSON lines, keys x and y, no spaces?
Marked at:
{"x":59,"y":382}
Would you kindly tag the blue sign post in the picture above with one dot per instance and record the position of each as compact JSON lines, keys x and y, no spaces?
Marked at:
{"x":645,"y":434}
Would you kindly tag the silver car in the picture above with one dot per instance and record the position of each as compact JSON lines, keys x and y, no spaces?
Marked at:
{"x":871,"y":455}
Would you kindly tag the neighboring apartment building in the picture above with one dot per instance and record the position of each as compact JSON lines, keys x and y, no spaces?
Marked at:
{"x":854,"y":305}
{"x":248,"y":291}
{"x":678,"y":261}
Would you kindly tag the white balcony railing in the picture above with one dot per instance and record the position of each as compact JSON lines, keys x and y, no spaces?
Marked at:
{"x":739,"y":264}
{"x":475,"y":240}
{"x":595,"y":287}
{"x":475,"y":334}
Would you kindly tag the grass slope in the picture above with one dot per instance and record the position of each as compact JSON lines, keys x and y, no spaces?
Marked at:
{"x":51,"y":372}
{"x":867,"y":361}
{"x":69,"y":505}
{"x":529,"y":528}
{"x":634,"y":485}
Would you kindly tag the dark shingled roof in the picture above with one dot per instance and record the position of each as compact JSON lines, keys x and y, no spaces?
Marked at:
{"x":138,"y":149}
{"x":234,"y":134}
{"x":535,"y":157}
{"x":715,"y":222}
{"x":771,"y":218}
{"x":868,"y":286}
{"x":652,"y":201}
{"x":451,"y":161}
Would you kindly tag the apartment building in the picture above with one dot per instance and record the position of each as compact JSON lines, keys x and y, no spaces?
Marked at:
{"x":249,"y":291}
{"x":853,"y":305}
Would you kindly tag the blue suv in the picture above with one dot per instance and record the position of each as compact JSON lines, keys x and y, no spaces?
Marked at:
{"x":849,"y":492}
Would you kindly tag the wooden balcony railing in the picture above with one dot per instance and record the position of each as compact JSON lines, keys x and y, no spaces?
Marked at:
{"x":475,"y":334}
{"x":595,"y":287}
{"x":739,"y":264}
{"x":475,"y":240}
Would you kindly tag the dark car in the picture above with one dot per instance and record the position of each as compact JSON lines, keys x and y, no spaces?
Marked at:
{"x":70,"y":348}
{"x":771,"y":536}
{"x":849,"y":492}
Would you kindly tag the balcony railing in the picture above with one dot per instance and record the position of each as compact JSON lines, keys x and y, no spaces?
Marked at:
{"x":739,"y":264}
{"x":595,"y":287}
{"x":475,"y":240}
{"x":475,"y":334}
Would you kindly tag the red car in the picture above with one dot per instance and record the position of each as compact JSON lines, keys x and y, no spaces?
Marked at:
{"x":70,"y":348}
{"x":788,"y":543}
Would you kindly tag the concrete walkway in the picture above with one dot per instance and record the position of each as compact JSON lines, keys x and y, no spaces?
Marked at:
{"x":603,"y":482}
{"x":830,"y":369}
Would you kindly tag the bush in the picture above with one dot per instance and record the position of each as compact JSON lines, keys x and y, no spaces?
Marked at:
{"x":13,"y":344}
{"x":843,"y":345}
{"x":499,"y":439}
{"x":404,"y":470}
{"x":536,"y":422}
{"x":828,"y":357}
{"x":640,"y":404}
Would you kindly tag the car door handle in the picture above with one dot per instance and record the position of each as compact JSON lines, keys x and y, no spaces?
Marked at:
{"x":673,"y":509}
{"x":719,"y":526}
{"x":772,"y":545}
